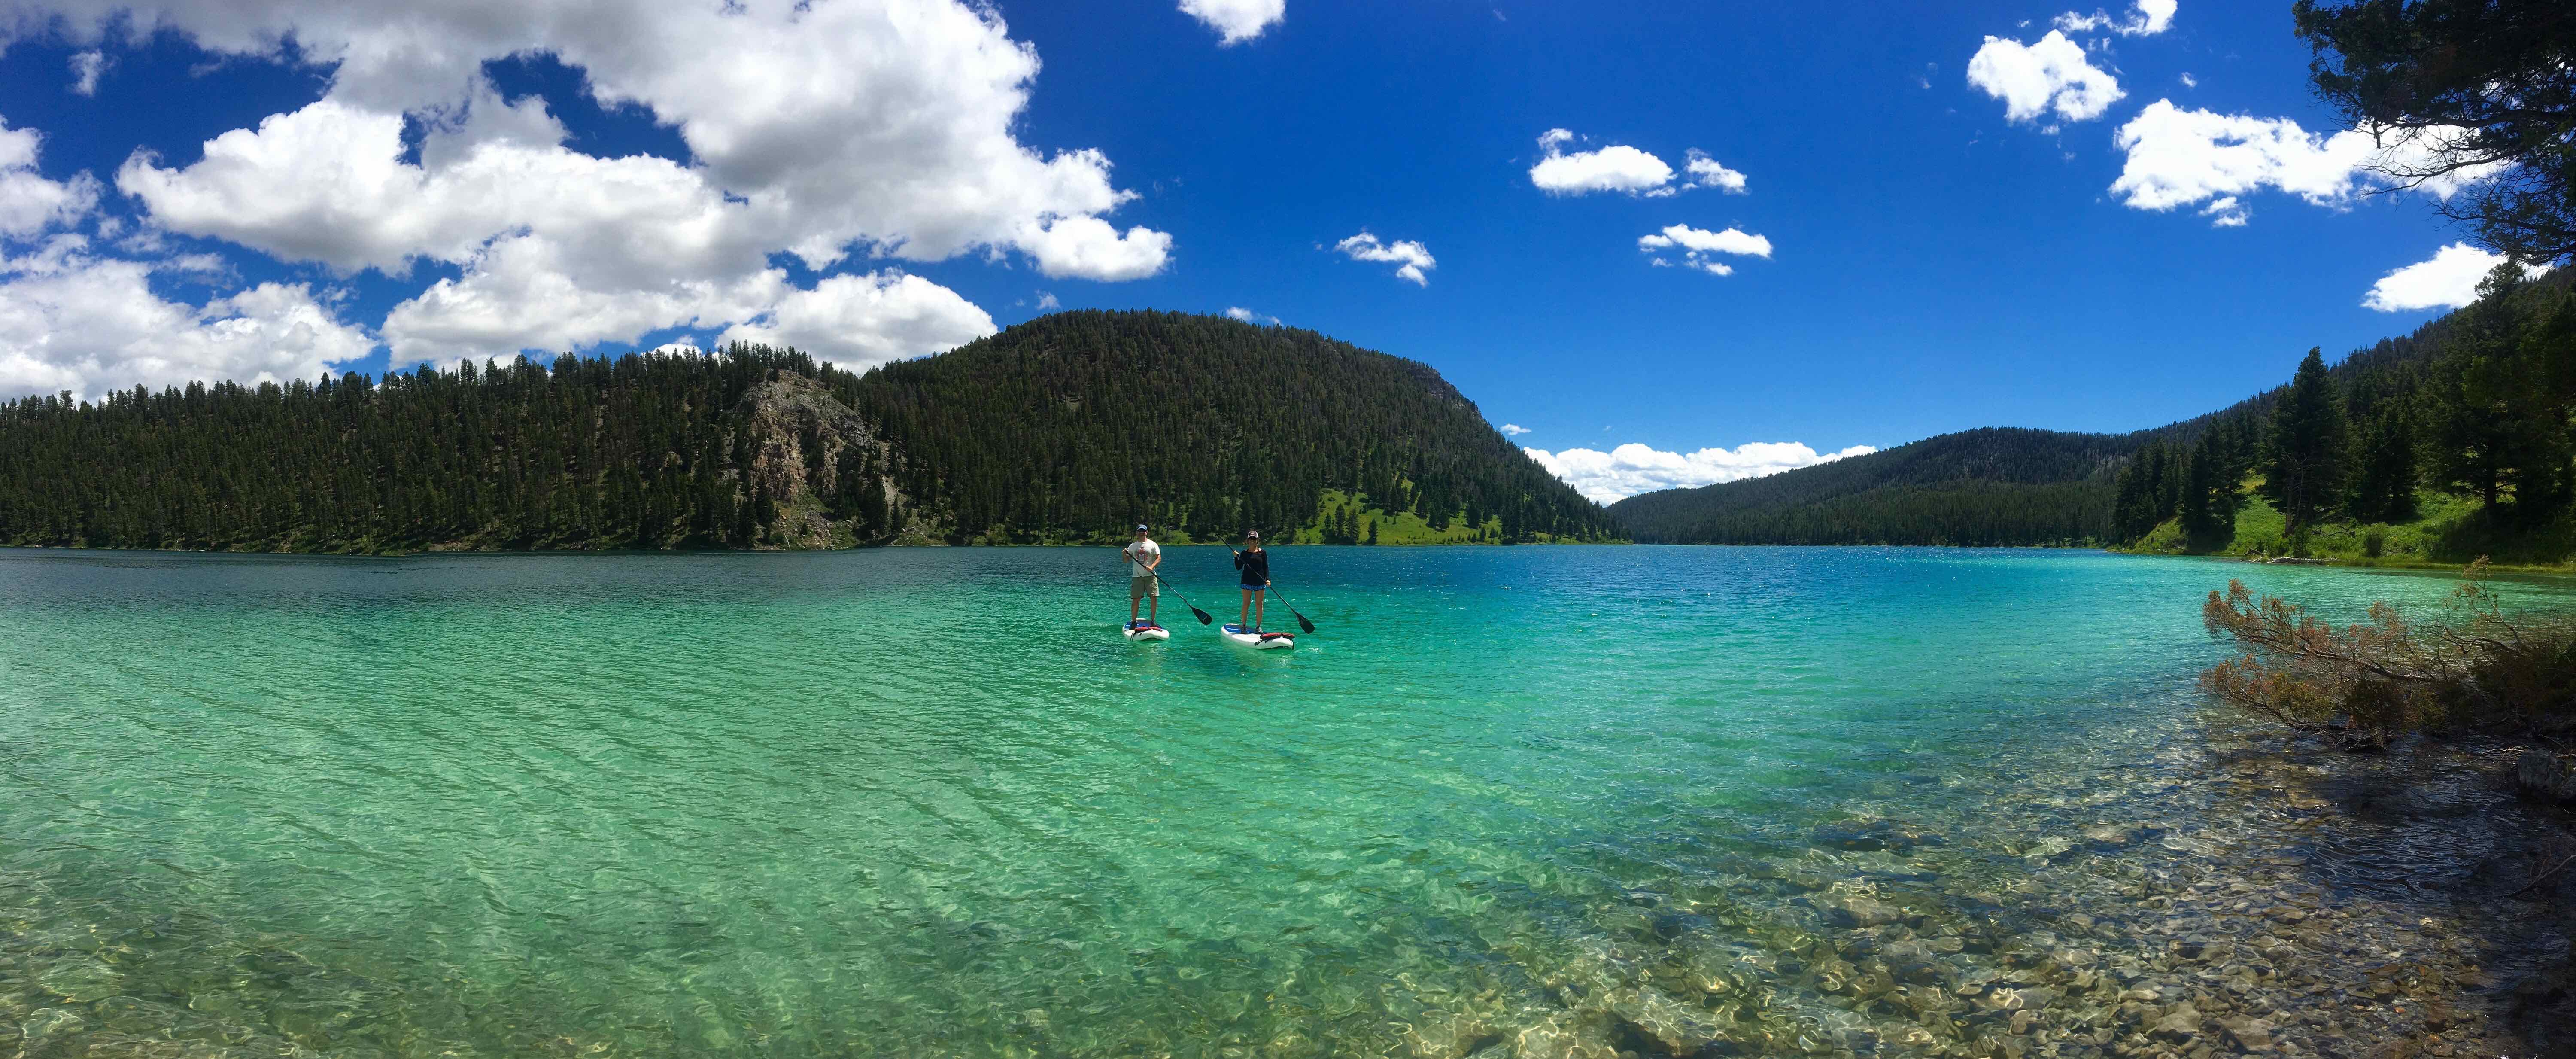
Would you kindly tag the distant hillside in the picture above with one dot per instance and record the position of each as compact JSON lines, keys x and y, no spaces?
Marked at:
{"x":1064,"y":429}
{"x":1990,"y":486}
{"x":1073,"y":426}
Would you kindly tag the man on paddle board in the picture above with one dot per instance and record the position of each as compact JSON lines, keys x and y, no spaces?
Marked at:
{"x":1143,"y":555}
{"x":1254,"y":566}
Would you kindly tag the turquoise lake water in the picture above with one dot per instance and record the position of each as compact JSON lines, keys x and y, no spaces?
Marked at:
{"x":929,"y":802}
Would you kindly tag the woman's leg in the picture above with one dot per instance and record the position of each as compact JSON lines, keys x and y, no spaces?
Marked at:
{"x":1241,"y":621}
{"x":1257,"y":599}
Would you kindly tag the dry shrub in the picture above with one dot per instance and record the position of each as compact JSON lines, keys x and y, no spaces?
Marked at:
{"x":2474,"y":669}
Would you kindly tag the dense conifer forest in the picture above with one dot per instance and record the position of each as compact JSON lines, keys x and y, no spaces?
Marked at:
{"x":2475,"y":405}
{"x":2475,"y":412}
{"x":1072,"y":425}
{"x":1063,"y":429}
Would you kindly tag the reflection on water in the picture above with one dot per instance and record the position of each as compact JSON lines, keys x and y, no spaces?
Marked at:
{"x":1508,"y":802}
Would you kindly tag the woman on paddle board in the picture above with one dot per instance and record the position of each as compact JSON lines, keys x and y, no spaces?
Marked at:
{"x":1253,"y":566}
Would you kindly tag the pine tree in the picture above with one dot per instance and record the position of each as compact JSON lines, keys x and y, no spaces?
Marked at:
{"x":1372,"y":531}
{"x":2142,"y":492}
{"x":2304,"y":452}
{"x":2210,"y":490}
{"x":2384,"y":466}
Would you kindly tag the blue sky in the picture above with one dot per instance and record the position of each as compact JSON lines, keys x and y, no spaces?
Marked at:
{"x":881,"y":178}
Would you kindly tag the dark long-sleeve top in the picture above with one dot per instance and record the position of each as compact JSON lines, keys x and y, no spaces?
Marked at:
{"x":1254,"y":565}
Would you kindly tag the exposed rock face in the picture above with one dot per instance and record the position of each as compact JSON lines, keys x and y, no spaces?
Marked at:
{"x":806,"y":446}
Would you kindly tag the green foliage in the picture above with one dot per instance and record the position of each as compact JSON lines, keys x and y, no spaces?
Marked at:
{"x":2475,"y":406}
{"x":2384,"y":466}
{"x":2213,"y":485}
{"x":1072,"y":426}
{"x":2306,"y":447}
{"x":2501,"y":396}
{"x":2143,"y":494}
{"x":1375,"y":525}
{"x":2479,"y":401}
{"x":2492,"y":76}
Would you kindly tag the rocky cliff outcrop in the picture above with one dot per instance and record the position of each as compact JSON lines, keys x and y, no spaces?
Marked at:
{"x":817,"y":474}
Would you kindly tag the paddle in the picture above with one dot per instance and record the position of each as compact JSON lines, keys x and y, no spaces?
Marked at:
{"x":1302,"y":623}
{"x":1201,"y":615}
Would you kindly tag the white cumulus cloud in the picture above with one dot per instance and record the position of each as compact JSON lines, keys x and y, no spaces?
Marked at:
{"x":2447,"y":280}
{"x":1617,"y":167}
{"x":72,"y":321}
{"x":2051,"y":73}
{"x":1706,"y":172}
{"x":29,"y":203}
{"x":1412,"y":260}
{"x":829,"y":130}
{"x":1700,"y":247}
{"x":859,"y":322}
{"x":1632,"y":468}
{"x":1623,"y":169}
{"x":2177,"y":157}
{"x":2146,"y":19}
{"x":1515,"y":429}
{"x":1236,"y":21}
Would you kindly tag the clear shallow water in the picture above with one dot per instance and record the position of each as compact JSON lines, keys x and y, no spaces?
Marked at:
{"x":916,"y":802}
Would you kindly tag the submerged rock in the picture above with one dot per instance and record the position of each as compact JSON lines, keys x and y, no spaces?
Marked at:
{"x":2251,"y":1034}
{"x":2180,"y":1025}
{"x":2111,"y":834}
{"x":2544,"y":776}
{"x":1854,"y":911}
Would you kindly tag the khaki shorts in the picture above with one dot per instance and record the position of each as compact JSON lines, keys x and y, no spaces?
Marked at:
{"x":1143,"y":587}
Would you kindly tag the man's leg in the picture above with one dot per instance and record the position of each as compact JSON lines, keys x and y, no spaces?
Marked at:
{"x":1154,"y":606}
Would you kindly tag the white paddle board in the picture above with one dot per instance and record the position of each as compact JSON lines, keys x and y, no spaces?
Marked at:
{"x":1268,"y":641}
{"x":1140,"y":631}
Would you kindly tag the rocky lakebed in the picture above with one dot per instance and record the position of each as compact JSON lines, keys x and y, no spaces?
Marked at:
{"x":2240,"y":893}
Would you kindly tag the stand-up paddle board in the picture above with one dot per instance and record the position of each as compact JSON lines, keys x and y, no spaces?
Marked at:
{"x":1139,"y":630}
{"x":1266,"y":641}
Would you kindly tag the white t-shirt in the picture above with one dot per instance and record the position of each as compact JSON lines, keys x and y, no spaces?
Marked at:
{"x":1136,"y":554}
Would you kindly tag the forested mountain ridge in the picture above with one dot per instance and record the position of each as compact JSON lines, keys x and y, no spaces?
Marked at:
{"x":655,"y":450}
{"x":1064,"y":429}
{"x":1072,"y":426}
{"x":2383,"y":407}
{"x":2457,"y":443}
{"x":1990,"y":486}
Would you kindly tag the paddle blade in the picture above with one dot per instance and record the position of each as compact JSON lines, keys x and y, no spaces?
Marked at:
{"x":1302,"y":623}
{"x":1203,"y":616}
